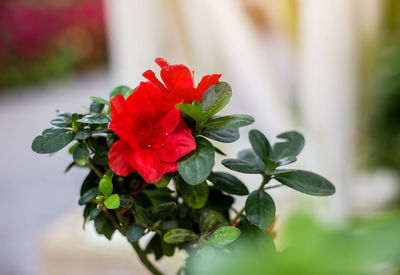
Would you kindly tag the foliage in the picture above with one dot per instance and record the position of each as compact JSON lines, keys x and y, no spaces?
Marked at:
{"x":189,"y":208}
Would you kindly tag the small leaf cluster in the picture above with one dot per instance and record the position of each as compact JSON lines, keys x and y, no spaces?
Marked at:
{"x":190,"y":209}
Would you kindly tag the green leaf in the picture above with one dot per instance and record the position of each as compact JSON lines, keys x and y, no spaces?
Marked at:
{"x":94,"y":213}
{"x":81,"y":155}
{"x":62,"y":120}
{"x":227,"y":136}
{"x":95,"y":119}
{"x":100,"y":100}
{"x":134,"y":233}
{"x":224,"y":236}
{"x":194,"y":195}
{"x":88,"y":195}
{"x":126,"y":201}
{"x":112,"y":202}
{"x":196,"y":166}
{"x":230,"y":184}
{"x":229,"y":122}
{"x":215,"y":98}
{"x":193,"y":110}
{"x":164,"y":181}
{"x":242,"y":166}
{"x":179,"y":235}
{"x":52,"y":140}
{"x":260,"y":145}
{"x":279,"y":172}
{"x":103,"y":226}
{"x":121,"y":90}
{"x":260,"y":209}
{"x":160,"y":211}
{"x":251,"y":157}
{"x":210,"y":220}
{"x":106,"y":185}
{"x":96,"y":107}
{"x":155,"y":246}
{"x":90,"y":181}
{"x":219,"y":151}
{"x":307,"y":182}
{"x":285,"y":161}
{"x":83,"y":134}
{"x":290,"y":148}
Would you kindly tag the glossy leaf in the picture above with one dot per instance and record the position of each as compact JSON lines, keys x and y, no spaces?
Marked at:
{"x":260,"y":145}
{"x":103,"y":226}
{"x":229,"y":122}
{"x":250,"y":156}
{"x":242,"y":166}
{"x":210,"y":220}
{"x":112,"y":202}
{"x":260,"y":209}
{"x":179,"y":235}
{"x":285,"y":161}
{"x":52,"y":140}
{"x":134,"y":233}
{"x":83,"y":134}
{"x":226,"y":136}
{"x":194,"y":195}
{"x":81,"y":155}
{"x":62,"y":120}
{"x":100,"y":100}
{"x":215,"y":98}
{"x":279,"y":172}
{"x":121,"y":90}
{"x":94,"y":213}
{"x":193,"y":110}
{"x":95,"y":119}
{"x":196,"y":166}
{"x":96,"y":107}
{"x":293,"y":145}
{"x":307,"y":182}
{"x":230,"y":184}
{"x":106,"y":185}
{"x":224,"y":236}
{"x":164,"y":181}
{"x":88,"y":195}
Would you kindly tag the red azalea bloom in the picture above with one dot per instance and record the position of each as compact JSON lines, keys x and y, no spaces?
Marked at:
{"x":178,"y":80}
{"x":152,"y":134}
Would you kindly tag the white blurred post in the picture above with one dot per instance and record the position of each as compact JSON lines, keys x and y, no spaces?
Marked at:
{"x":133,"y":29}
{"x":327,"y":78}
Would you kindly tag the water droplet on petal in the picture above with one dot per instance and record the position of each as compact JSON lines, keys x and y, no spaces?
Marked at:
{"x":148,"y":146}
{"x":166,"y":134}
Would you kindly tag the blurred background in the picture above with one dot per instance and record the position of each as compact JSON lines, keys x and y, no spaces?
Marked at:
{"x":329,"y":69}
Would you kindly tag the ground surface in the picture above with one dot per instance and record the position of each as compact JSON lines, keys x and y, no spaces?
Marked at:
{"x":33,"y":189}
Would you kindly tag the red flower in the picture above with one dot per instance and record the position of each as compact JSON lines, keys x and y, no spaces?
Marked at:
{"x":178,"y":80}
{"x":152,"y":134}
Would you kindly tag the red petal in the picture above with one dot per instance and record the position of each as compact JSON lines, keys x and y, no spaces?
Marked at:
{"x":177,"y":77}
{"x":176,"y":145}
{"x":169,"y":167}
{"x":161,"y":62}
{"x":119,"y":158}
{"x":122,"y":122}
{"x":206,"y":82}
{"x":147,"y":102}
{"x":148,"y":165}
{"x":154,"y":80}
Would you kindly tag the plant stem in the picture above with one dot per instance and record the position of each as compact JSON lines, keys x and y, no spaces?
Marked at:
{"x":95,"y":170}
{"x":145,"y":260}
{"x":273,"y":186}
{"x":142,"y":255}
